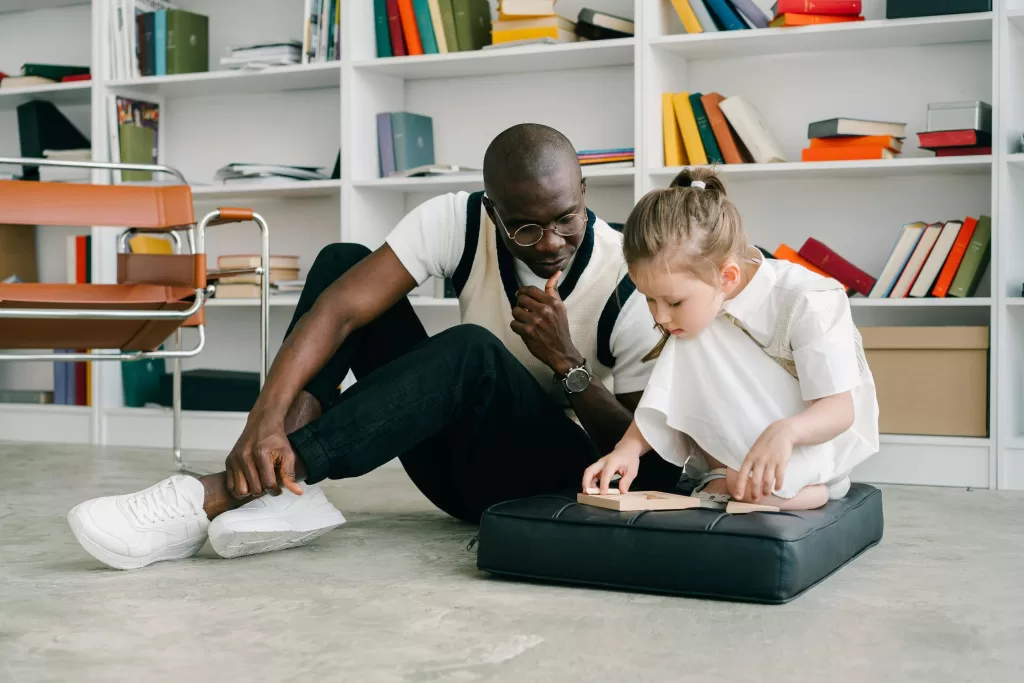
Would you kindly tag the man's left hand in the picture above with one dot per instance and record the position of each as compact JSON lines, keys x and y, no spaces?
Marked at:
{"x":540,"y":319}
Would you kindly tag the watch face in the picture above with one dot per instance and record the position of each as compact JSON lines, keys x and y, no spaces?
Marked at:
{"x":577,"y":380}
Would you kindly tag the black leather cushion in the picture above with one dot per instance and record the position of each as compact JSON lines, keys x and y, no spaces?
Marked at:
{"x":768,"y":557}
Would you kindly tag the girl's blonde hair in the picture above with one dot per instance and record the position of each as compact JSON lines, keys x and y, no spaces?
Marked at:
{"x":691,"y":228}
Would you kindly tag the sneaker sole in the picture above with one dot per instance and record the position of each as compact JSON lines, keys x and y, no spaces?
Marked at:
{"x":120,"y":561}
{"x":232,"y":543}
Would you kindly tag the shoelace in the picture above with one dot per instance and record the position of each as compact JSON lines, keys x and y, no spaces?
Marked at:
{"x":160,"y":503}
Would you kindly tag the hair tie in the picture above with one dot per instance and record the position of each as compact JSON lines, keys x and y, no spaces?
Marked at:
{"x":699,"y":184}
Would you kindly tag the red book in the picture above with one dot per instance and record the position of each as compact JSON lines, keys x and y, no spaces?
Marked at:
{"x":956,"y":255}
{"x":962,"y":151}
{"x":841,"y":7}
{"x":76,"y":77}
{"x":791,"y":19}
{"x":412,"y":32}
{"x":836,"y":266}
{"x":954,"y":138}
{"x":395,"y":29}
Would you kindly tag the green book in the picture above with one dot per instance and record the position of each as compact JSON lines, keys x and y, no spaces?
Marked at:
{"x":140,"y":381}
{"x":972,"y":267}
{"x":136,"y":144}
{"x":451,"y":36}
{"x":188,"y":42}
{"x":53,"y":71}
{"x":380,"y":28}
{"x":413,"y":136}
{"x":472,"y":23}
{"x":707,"y":135}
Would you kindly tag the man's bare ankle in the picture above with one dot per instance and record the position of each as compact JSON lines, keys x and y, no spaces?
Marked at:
{"x":218,"y":499}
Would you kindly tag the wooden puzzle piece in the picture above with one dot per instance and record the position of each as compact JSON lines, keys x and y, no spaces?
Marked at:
{"x":636,"y":501}
{"x":737,"y":508}
{"x":595,"y":491}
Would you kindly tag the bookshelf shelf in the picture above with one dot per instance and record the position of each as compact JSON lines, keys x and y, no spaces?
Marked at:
{"x":219,"y":83}
{"x":1015,"y":159}
{"x":596,"y":177}
{"x":513,"y":60}
{"x":911,"y":302}
{"x":1015,"y":302}
{"x":58,"y":93}
{"x":908,"y":166}
{"x":275,"y":190}
{"x":866,"y":35}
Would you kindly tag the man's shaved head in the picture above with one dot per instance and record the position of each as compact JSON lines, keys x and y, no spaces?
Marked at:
{"x":527,"y":152}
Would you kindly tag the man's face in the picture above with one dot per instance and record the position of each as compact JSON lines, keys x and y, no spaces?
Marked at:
{"x":554,"y":202}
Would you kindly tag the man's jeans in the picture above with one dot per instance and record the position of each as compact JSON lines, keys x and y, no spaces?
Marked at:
{"x":470,"y":424}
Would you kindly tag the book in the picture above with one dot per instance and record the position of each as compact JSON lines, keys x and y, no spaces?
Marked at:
{"x":426,"y":26}
{"x":707,"y":136}
{"x":954,"y":138}
{"x":790,"y":19}
{"x":975,"y":260}
{"x":916,"y":261}
{"x":836,"y":266}
{"x":831,"y":128}
{"x":962,"y":151}
{"x":276,"y":275}
{"x":787,"y":253}
{"x":437,"y":23}
{"x":750,"y":128}
{"x":385,"y":145}
{"x":380,"y":28}
{"x":940,"y":252}
{"x":848,"y":7}
{"x":726,"y":15}
{"x":901,"y":9}
{"x":395,"y":29}
{"x":724,"y":136}
{"x":607,"y":21}
{"x":588,"y":31}
{"x":15,"y":82}
{"x":160,"y":43}
{"x":956,"y":255}
{"x":472,"y":23}
{"x":688,"y":127}
{"x":54,"y":72}
{"x":409,"y":28}
{"x":751,"y":12}
{"x":451,"y":36}
{"x":526,"y":8}
{"x":851,"y":153}
{"x":672,"y":139}
{"x":243,"y":261}
{"x":136,"y":131}
{"x":906,"y":242}
{"x":686,"y":14}
{"x":413,"y":136}
{"x":188,"y":42}
{"x":895,"y":144}
{"x":555,"y":27}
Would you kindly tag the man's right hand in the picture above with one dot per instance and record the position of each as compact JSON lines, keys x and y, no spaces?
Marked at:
{"x":261,"y":461}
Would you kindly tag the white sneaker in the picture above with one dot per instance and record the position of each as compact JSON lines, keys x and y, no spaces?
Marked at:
{"x":163,"y":522}
{"x":274,"y":523}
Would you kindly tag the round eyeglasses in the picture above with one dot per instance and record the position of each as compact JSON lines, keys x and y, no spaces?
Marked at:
{"x":531,"y":233}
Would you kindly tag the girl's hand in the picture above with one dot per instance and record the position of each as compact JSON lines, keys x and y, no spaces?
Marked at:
{"x":765,"y":465}
{"x":624,"y":459}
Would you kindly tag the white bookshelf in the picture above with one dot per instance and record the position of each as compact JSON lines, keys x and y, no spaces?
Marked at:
{"x":602,"y":94}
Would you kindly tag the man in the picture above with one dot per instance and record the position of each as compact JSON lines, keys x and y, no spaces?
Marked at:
{"x":552,"y":330}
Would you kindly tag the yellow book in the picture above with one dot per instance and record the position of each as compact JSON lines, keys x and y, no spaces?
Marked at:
{"x":687,"y":16}
{"x":559,"y":34}
{"x":148,"y":244}
{"x":688,"y":127}
{"x":670,"y":130}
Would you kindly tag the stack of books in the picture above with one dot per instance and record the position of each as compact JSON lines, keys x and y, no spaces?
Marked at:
{"x":427,"y":27}
{"x":170,"y":41}
{"x":817,"y":257}
{"x":592,"y":24}
{"x":958,"y":129}
{"x":405,"y":141}
{"x":940,"y":259}
{"x":528,"y":21}
{"x":321,"y":37}
{"x":810,"y":12}
{"x":620,"y":157}
{"x":33,"y":75}
{"x":853,"y":139}
{"x":235,"y":277}
{"x":237,"y":172}
{"x":263,"y":55}
{"x":707,"y":16}
{"x":701,"y":129}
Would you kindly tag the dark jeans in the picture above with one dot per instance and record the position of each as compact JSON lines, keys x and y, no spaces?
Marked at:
{"x":470,"y":424}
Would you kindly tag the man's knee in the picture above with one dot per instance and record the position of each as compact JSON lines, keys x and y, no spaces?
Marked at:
{"x":477,"y":348}
{"x":335,"y":260}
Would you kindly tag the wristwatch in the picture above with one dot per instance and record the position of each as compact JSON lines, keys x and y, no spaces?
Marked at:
{"x":577,"y":379}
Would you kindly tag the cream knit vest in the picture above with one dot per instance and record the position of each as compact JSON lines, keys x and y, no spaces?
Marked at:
{"x":592,"y":291}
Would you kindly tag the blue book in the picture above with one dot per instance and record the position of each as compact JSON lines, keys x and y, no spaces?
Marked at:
{"x":380,"y":27}
{"x":725,"y":14}
{"x":751,"y":12}
{"x":385,"y":145}
{"x":160,"y":43}
{"x":426,"y":26}
{"x":413,"y":136}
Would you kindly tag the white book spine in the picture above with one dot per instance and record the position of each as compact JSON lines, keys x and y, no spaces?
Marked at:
{"x":307,"y":9}
{"x":901,"y":251}
{"x":755,"y":135}
{"x":436,"y":19}
{"x":917,"y":259}
{"x":936,"y":259}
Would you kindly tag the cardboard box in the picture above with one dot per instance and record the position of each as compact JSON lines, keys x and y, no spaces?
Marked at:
{"x":18,"y":252}
{"x":930,"y":380}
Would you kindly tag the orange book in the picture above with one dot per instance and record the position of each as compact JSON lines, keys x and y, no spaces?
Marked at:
{"x":412,"y":34}
{"x":845,"y":153}
{"x":956,"y":255}
{"x":786,"y":253}
{"x":790,"y":19}
{"x":720,"y":127}
{"x":895,"y":144}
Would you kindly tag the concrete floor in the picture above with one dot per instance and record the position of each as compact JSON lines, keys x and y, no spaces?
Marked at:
{"x":395,"y":596}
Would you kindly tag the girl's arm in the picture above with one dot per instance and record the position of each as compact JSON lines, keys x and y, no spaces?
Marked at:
{"x":823,"y":420}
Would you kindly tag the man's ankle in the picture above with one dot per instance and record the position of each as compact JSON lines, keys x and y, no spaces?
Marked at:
{"x":218,"y":499}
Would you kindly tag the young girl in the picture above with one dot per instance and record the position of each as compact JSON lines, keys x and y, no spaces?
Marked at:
{"x":761,"y":391}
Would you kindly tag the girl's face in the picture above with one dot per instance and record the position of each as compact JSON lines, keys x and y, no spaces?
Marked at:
{"x":681,"y":303}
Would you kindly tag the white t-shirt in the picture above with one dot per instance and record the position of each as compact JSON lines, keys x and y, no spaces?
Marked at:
{"x":429,"y":242}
